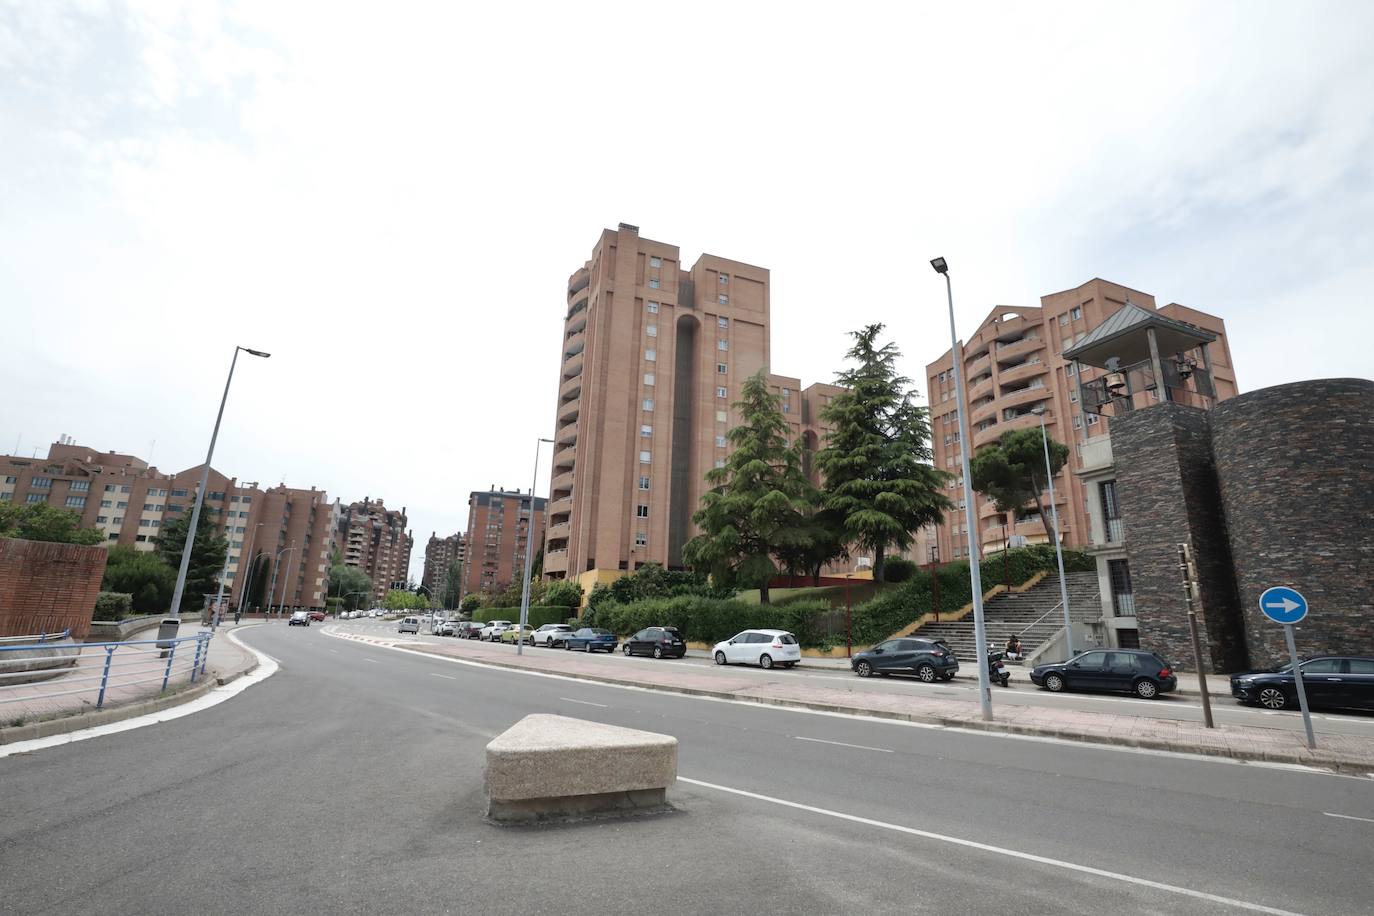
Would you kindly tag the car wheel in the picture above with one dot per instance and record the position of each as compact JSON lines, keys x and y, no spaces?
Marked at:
{"x":926,"y":673}
{"x":946,"y":677}
{"x":720,"y":658}
{"x":1272,"y":698}
{"x":625,"y":649}
{"x":588,"y":648}
{"x":863,"y":669}
{"x":1054,"y":683}
{"x":658,"y":652}
{"x":765,"y":661}
{"x":1146,"y":689}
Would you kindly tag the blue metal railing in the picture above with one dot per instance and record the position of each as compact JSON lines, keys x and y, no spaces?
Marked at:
{"x":44,"y":678}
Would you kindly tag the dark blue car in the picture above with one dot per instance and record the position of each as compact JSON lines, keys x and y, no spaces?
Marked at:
{"x":591,"y":639}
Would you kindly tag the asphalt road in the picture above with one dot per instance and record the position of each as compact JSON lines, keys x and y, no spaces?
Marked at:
{"x":350,"y":782}
{"x":1183,"y":707}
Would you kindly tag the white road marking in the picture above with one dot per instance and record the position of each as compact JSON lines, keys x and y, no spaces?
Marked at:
{"x":1349,"y":817}
{"x":862,"y":747}
{"x":1000,"y":850}
{"x":373,"y":660}
{"x":447,"y":677}
{"x":584,"y":702}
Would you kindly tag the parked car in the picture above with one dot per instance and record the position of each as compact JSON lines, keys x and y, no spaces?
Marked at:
{"x":493,"y":630}
{"x":764,"y":648}
{"x":551,"y":635}
{"x":468,"y":629}
{"x":298,"y":619}
{"x":375,"y":612}
{"x":517,"y":633}
{"x":409,"y":625}
{"x":317,"y":616}
{"x":590,"y":639}
{"x":1137,"y":671}
{"x":1337,"y":681}
{"x":445,"y":627}
{"x":928,"y":659}
{"x":660,"y":642}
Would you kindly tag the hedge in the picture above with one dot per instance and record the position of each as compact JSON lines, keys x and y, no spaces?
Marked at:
{"x":113,"y":605}
{"x":705,"y":619}
{"x":540,"y":614}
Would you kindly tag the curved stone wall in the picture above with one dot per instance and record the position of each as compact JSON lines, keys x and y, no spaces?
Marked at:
{"x":1295,"y":466}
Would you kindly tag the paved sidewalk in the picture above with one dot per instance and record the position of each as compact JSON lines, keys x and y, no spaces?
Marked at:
{"x":1344,"y":753}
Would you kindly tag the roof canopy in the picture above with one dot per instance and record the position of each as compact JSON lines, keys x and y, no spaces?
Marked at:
{"x":1123,"y":336}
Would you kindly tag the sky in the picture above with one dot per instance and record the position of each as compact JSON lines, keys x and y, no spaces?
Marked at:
{"x":390,"y":197}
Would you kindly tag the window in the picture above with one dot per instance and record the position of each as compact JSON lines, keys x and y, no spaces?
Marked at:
{"x":722,"y":322}
{"x":648,"y":403}
{"x":239,"y":530}
{"x":141,"y":538}
{"x":6,"y":496}
{"x":1111,"y":512}
{"x":214,"y":494}
{"x":105,"y":504}
{"x":723,"y":279}
{"x":722,"y":345}
{"x":1077,"y":422}
{"x":1064,"y":319}
{"x":1123,"y":599}
{"x":143,"y":523}
{"x":101,"y":519}
{"x":35,"y":498}
{"x":1322,"y":666}
{"x":248,"y":499}
{"x":156,"y":523}
{"x":148,"y":507}
{"x":644,"y":483}
{"x":655,"y":261}
{"x":721,"y":368}
{"x":652,"y":330}
{"x":720,"y":442}
{"x":653,"y":308}
{"x":646,"y":430}
{"x":648,"y":378}
{"x":1092,"y":419}
{"x":641,"y":539}
{"x":641,"y":511}
{"x":720,"y":462}
{"x":80,"y":486}
{"x":76,"y":502}
{"x":175,"y":508}
{"x":720,"y":416}
{"x":117,"y":520}
{"x":243,"y":515}
{"x":643,"y":457}
{"x":41,"y":483}
{"x":126,"y":489}
{"x":722,"y":392}
{"x":1076,"y":314}
{"x":651,"y":355}
{"x":654,"y":284}
{"x":109,"y":487}
{"x":723,"y":299}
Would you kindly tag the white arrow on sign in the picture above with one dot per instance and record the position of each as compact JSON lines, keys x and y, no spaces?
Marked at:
{"x":1286,"y":605}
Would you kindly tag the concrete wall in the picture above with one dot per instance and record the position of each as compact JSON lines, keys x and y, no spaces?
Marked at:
{"x":48,"y":588}
{"x":1295,"y":465}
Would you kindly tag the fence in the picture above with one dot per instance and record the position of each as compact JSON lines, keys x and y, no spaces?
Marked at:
{"x":45,"y":678}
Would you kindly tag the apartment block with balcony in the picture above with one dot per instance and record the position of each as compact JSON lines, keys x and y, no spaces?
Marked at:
{"x":502,"y":525}
{"x":374,"y":539}
{"x":440,"y":555}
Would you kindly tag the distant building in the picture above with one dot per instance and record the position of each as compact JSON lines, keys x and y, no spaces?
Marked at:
{"x":499,"y":532}
{"x":440,"y":555}
{"x":374,"y":539}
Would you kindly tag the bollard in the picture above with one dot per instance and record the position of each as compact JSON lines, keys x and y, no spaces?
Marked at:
{"x":105,"y":677}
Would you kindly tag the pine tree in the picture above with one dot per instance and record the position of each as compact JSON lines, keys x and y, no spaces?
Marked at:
{"x":207,"y":557}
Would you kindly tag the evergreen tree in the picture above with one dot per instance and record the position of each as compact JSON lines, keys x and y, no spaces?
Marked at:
{"x":207,"y":557}
{"x":876,"y":461}
{"x":759,"y":501}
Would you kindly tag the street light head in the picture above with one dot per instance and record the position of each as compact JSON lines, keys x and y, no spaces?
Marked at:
{"x":940,"y":266}
{"x":255,"y":352}
{"x":1038,"y":410}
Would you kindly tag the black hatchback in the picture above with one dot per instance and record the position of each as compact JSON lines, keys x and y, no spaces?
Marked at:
{"x":928,"y":659}
{"x":660,"y":642}
{"x":1338,"y":681}
{"x":1122,"y":670}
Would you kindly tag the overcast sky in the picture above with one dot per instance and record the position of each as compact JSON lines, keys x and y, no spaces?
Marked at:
{"x":390,"y":197}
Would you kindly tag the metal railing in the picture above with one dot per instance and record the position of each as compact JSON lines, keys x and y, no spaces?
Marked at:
{"x":43,"y":679}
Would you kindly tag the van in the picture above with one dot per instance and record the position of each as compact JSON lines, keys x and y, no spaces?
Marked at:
{"x":409,"y":625}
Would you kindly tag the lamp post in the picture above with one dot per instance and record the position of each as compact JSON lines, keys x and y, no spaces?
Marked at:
{"x":980,"y":639}
{"x":529,"y":555}
{"x":169,"y":626}
{"x":243,"y":592}
{"x":1054,"y":516}
{"x":272,"y":588}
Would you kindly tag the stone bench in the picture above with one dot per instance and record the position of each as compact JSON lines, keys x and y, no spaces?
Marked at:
{"x":551,"y":768}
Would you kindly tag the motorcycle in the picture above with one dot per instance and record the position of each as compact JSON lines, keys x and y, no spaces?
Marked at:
{"x":997,"y":669}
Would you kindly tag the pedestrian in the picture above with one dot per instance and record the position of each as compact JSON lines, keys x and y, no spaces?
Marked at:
{"x":1014,"y":648}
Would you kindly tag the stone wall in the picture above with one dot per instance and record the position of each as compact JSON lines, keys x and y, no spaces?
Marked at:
{"x":1166,"y":484}
{"x":48,"y":588}
{"x":1295,"y":465}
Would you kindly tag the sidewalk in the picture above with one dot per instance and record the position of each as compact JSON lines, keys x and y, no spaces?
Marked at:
{"x":67,"y":704}
{"x":1343,"y":753}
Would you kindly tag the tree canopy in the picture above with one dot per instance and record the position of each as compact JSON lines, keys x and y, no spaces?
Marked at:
{"x":876,"y":460}
{"x":42,"y":522}
{"x":350,"y":584}
{"x":401,"y":600}
{"x":1011,"y":471}
{"x":207,"y":556}
{"x":142,"y":575}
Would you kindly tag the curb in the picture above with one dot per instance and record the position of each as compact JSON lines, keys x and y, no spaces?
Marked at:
{"x":92,"y":718}
{"x":1298,"y":758}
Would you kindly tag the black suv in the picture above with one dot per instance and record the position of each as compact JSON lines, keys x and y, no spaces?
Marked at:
{"x":660,"y":642}
{"x":1340,"y":681}
{"x":928,"y":659}
{"x":1125,"y":670}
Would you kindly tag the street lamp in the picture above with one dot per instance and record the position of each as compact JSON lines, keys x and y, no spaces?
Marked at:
{"x":243,"y":592}
{"x":169,"y":626}
{"x":980,"y":639}
{"x":1039,"y":411}
{"x":529,"y":555}
{"x":272,"y":588}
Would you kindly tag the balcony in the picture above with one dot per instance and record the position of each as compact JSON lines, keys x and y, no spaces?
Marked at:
{"x":1022,"y":372}
{"x":565,"y":459}
{"x":1013,"y":325}
{"x":558,"y":532}
{"x":977,"y":365}
{"x":572,"y":366}
{"x":980,"y":412}
{"x":575,"y":344}
{"x":979,"y":388}
{"x":562,"y":481}
{"x":580,"y":281}
{"x":1022,"y":396}
{"x":560,"y":506}
{"x":987,"y":436}
{"x":569,"y":410}
{"x":571,"y":388}
{"x":1017,"y":349}
{"x":556,"y":561}
{"x":575,"y":324}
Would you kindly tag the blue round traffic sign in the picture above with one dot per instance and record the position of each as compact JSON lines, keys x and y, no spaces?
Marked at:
{"x":1282,"y":604}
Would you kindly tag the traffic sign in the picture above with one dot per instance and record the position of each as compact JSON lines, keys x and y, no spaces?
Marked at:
{"x":1282,"y":604}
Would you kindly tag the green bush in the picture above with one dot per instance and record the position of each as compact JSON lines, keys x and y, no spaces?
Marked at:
{"x":540,"y":614}
{"x":142,"y":575}
{"x":563,"y":593}
{"x":898,"y":569}
{"x":705,"y":619}
{"x":113,"y":605}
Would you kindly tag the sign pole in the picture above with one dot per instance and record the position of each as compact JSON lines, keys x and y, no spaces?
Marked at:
{"x":1190,"y":588}
{"x":1297,"y":679}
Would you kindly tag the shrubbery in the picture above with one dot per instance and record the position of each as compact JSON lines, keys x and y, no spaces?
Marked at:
{"x":704,"y":619}
{"x":898,"y":569}
{"x":540,"y":614}
{"x":113,"y":606}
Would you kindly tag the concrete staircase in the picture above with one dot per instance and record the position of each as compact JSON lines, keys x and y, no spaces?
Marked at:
{"x":1013,"y":613}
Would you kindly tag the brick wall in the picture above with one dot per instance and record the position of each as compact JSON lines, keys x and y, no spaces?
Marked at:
{"x":1295,"y":465}
{"x":47,"y":588}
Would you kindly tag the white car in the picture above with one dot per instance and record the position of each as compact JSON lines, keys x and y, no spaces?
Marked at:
{"x":551,"y":635}
{"x":493,"y":630}
{"x":409,"y":625}
{"x":764,"y":648}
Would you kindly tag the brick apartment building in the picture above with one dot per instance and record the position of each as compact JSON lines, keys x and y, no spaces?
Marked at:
{"x":374,"y":539}
{"x":497,"y":537}
{"x":653,"y":357}
{"x":1013,"y":363}
{"x":130,"y":501}
{"x":440,"y":555}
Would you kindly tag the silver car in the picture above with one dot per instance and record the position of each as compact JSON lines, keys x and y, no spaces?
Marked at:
{"x":493,"y":630}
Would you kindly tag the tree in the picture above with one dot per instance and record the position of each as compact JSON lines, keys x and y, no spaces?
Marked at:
{"x":758,"y":501}
{"x":824,"y":541}
{"x":470,"y":603}
{"x":351,"y":584}
{"x":42,"y":522}
{"x":142,"y":575}
{"x":207,"y":556}
{"x":876,"y":461}
{"x":401,"y":600}
{"x":1011,"y":471}
{"x":563,"y":593}
{"x":256,"y":583}
{"x":452,"y":591}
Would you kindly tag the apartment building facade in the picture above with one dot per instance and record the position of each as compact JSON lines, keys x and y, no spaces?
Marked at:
{"x":654,"y":356}
{"x":500,"y":530}
{"x":129,"y":501}
{"x":374,"y":539}
{"x":1014,"y":364}
{"x":440,"y":555}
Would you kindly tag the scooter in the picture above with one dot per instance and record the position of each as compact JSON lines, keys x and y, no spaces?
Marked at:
{"x":997,"y":669}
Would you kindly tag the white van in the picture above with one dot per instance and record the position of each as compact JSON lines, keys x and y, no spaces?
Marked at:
{"x":409,"y":625}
